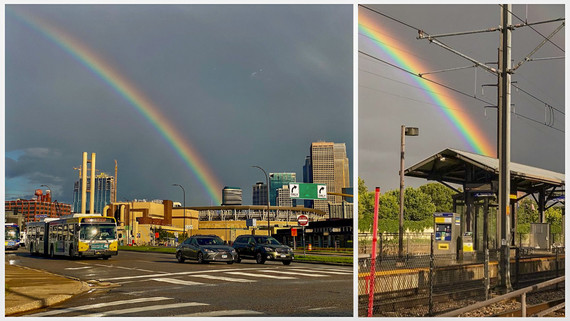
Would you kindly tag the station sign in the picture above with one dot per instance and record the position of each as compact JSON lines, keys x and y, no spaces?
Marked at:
{"x":309,"y":191}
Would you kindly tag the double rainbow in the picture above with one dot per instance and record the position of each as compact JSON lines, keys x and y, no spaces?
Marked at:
{"x":450,"y":108}
{"x":130,"y":93}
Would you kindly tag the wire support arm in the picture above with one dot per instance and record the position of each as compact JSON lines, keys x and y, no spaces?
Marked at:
{"x":528,"y":57}
{"x":479,"y":64}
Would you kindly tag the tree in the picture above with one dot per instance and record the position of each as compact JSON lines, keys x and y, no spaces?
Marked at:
{"x":365,"y":207}
{"x":441,"y":196}
{"x":418,"y":206}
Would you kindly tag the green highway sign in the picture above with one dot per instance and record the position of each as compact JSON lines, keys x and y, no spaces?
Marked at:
{"x":308,"y":191}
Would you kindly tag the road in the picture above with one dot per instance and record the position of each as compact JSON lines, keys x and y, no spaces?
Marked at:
{"x":136,"y":284}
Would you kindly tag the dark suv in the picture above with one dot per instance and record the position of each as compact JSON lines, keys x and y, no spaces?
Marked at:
{"x":262,"y":248}
{"x":205,"y":248}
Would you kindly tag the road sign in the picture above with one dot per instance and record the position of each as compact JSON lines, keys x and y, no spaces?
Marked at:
{"x":293,"y":232}
{"x":303,"y":220}
{"x":309,"y":191}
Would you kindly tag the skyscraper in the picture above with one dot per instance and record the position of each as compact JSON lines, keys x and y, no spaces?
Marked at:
{"x":328,"y":165}
{"x":276,"y":181}
{"x":104,"y":188}
{"x":259,"y":194}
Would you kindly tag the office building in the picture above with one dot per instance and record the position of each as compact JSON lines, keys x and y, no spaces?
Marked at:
{"x":38,"y":208}
{"x":328,"y":165}
{"x":277,"y":181}
{"x":104,"y":188}
{"x":259,"y":194}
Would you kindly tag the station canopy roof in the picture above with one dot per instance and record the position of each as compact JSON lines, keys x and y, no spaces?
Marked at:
{"x":459,"y":167}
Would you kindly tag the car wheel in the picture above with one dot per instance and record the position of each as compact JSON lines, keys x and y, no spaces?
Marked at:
{"x":238,"y":258}
{"x":230,"y":262}
{"x":179,"y":257}
{"x":287,"y":262}
{"x":200,"y":257}
{"x":259,"y":258}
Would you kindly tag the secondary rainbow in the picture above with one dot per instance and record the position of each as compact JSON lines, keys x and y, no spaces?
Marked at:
{"x":135,"y":97}
{"x":466,"y":128}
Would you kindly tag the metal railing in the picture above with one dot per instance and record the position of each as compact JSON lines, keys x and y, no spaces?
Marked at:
{"x":521,"y":292}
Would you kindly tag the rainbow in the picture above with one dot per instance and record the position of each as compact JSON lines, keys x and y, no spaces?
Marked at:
{"x":130,"y":93}
{"x":466,"y":128}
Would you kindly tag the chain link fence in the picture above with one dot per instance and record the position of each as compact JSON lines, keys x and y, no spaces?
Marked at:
{"x":419,"y":283}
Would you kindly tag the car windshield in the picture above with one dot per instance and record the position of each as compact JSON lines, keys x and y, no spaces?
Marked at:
{"x":97,"y":232}
{"x":210,"y":241}
{"x":266,"y":240}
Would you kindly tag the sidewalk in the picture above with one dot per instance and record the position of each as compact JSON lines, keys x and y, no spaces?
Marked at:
{"x":28,"y":289}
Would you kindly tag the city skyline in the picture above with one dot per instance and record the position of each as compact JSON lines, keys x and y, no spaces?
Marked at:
{"x":186,"y":94}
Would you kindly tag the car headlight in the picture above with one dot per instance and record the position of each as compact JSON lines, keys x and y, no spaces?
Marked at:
{"x":233,"y":251}
{"x":268,"y":249}
{"x":208,"y":250}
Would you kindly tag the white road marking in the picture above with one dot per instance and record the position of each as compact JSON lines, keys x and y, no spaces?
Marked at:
{"x":331,"y":271}
{"x":98,"y":305}
{"x":263,"y":275}
{"x":145,"y":308}
{"x":172,"y":274}
{"x":222,"y":278}
{"x":180,"y":282}
{"x":299,"y":273}
{"x":79,"y":268}
{"x":221,"y":313}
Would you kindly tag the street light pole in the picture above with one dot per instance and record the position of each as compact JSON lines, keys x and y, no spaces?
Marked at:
{"x":184,"y":209}
{"x":267,"y":183}
{"x":405,"y":131}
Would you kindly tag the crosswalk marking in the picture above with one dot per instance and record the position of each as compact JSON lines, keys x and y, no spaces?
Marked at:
{"x":263,"y":275}
{"x":176,"y":281}
{"x":145,"y":308}
{"x":222,"y":313}
{"x":98,"y":305}
{"x":222,"y":278}
{"x":299,"y":273}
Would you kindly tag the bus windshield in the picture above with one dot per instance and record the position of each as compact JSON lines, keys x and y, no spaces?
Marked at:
{"x":11,"y":232}
{"x":97,"y":232}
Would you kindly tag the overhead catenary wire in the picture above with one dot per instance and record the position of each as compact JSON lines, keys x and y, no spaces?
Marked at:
{"x":531,"y":27}
{"x":420,"y":75}
{"x":548,"y":124}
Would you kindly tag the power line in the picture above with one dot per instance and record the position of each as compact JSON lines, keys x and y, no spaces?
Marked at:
{"x":427,"y":79}
{"x":531,"y":27}
{"x":540,"y":100}
{"x":550,"y":125}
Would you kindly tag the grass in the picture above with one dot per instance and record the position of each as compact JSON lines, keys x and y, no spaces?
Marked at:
{"x":324,"y":259}
{"x":298,"y":257}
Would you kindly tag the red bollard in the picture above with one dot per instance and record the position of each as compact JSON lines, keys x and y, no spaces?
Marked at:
{"x":373,"y":258}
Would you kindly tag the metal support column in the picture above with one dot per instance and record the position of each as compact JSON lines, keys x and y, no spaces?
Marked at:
{"x":504,"y":144}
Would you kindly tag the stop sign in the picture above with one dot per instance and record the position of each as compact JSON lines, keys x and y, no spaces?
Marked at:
{"x":303,"y":220}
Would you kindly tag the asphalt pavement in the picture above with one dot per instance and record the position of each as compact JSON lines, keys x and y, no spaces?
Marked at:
{"x":28,"y":289}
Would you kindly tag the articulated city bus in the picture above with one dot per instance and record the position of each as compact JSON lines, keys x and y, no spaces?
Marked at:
{"x":11,"y":236}
{"x":76,"y":235}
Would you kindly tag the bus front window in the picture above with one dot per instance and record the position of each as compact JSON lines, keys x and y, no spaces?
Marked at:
{"x":97,"y":232}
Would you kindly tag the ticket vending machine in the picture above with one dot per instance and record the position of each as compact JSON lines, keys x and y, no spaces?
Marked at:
{"x":447,"y":227}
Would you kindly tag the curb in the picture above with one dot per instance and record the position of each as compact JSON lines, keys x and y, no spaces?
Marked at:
{"x":49,"y":301}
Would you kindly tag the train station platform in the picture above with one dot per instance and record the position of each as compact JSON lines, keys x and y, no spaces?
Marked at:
{"x":29,"y":289}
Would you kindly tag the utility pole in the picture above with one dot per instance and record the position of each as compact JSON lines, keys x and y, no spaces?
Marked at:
{"x":504,"y":145}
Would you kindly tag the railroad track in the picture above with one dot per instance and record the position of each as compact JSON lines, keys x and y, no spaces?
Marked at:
{"x":549,"y":308}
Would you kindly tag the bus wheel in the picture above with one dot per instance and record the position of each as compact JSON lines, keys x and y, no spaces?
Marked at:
{"x":106,"y":257}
